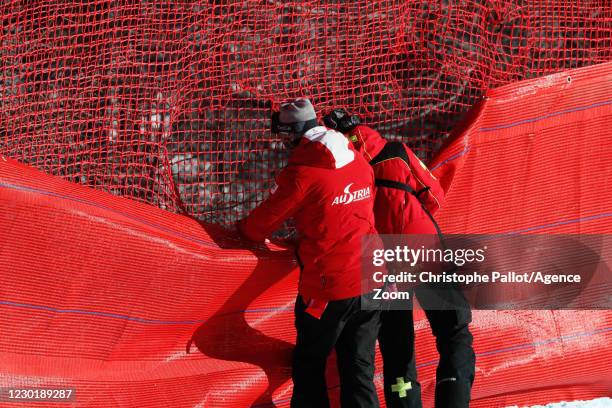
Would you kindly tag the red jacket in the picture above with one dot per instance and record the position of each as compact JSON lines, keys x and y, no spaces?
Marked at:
{"x":328,"y":189}
{"x":396,"y":211}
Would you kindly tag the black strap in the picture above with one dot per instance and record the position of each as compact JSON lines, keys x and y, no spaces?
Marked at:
{"x":405,"y":187}
{"x":395,"y":184}
{"x":394,"y":150}
{"x":421,"y":191}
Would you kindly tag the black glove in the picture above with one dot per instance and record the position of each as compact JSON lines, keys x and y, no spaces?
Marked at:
{"x":341,"y":120}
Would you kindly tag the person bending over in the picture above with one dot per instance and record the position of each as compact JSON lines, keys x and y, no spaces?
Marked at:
{"x":323,"y":170}
{"x":407,"y":195}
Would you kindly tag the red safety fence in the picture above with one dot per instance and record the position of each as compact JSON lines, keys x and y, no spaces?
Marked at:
{"x":103,"y":294}
{"x":167,"y":102}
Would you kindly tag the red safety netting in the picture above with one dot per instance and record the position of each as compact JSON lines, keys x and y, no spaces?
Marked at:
{"x":104,"y":294}
{"x":167,"y":102}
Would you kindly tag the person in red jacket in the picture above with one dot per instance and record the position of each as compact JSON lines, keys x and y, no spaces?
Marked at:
{"x":407,"y":196}
{"x":327,"y":187}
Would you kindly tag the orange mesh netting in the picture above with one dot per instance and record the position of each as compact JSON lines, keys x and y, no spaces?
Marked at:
{"x":167,"y":102}
{"x":104,"y":294}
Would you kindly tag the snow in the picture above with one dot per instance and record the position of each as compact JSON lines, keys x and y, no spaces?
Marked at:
{"x":596,"y":403}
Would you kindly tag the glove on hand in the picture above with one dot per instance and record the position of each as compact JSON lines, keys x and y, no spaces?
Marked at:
{"x":341,"y":120}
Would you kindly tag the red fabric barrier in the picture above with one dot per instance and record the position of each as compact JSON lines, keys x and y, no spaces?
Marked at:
{"x":104,"y":294}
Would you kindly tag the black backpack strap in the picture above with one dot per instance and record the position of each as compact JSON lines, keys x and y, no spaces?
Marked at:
{"x":394,"y":150}
{"x":405,"y":187}
{"x":395,"y":184}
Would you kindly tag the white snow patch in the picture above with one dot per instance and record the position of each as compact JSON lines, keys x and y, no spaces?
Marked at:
{"x":596,"y":403}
